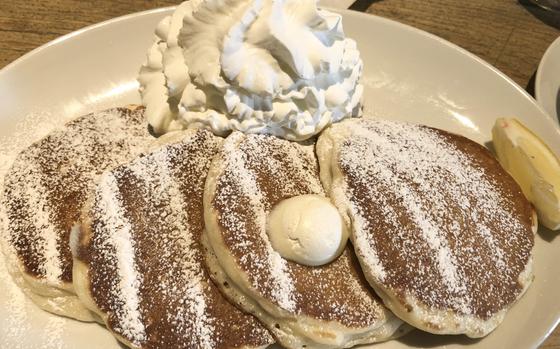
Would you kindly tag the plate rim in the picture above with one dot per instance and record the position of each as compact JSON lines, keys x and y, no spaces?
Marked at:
{"x":547,"y":56}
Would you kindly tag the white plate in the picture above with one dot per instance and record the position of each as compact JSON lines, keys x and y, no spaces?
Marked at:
{"x":547,"y":82}
{"x":409,"y":75}
{"x":340,"y":4}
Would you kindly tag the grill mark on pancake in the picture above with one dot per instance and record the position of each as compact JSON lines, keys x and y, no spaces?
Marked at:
{"x":119,"y":231}
{"x":425,"y":174}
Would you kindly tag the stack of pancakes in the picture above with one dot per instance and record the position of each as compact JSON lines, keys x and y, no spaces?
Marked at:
{"x":165,"y":240}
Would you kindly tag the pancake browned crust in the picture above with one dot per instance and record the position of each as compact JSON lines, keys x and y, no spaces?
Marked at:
{"x":443,"y":233}
{"x":44,"y":192}
{"x":330,"y":306}
{"x":138,"y":256}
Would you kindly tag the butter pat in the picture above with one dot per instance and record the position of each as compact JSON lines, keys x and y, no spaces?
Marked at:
{"x":307,"y":229}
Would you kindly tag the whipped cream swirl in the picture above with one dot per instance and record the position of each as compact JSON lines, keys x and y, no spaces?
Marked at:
{"x":282,"y":67}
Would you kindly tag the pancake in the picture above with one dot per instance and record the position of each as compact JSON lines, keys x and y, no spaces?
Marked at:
{"x":443,"y":234}
{"x":330,"y":306}
{"x":138,"y":257}
{"x":43,"y":194}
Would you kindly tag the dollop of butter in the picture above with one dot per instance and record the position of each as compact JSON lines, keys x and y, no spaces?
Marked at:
{"x":307,"y":229}
{"x":281,"y":67}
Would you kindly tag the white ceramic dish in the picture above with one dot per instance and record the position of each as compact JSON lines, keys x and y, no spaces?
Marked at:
{"x":409,"y":75}
{"x":342,"y":4}
{"x":547,"y":81}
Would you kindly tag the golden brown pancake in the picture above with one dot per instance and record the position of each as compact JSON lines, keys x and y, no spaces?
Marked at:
{"x":138,"y":256}
{"x":330,"y":306}
{"x":443,"y":233}
{"x":45,"y":190}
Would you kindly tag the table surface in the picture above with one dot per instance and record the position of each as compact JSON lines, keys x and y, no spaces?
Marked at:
{"x":509,"y":34}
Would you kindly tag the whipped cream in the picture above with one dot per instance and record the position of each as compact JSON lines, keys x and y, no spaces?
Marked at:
{"x":307,"y":229}
{"x":280,"y":67}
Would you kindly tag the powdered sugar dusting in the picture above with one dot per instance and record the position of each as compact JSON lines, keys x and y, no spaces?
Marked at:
{"x":237,"y":166}
{"x":411,"y":173}
{"x":428,"y":227}
{"x":54,"y":330}
{"x":20,"y":314}
{"x":119,"y":230}
{"x":155,"y":176}
{"x":47,"y":239}
{"x":365,"y":244}
{"x":165,"y":295}
{"x":15,"y":323}
{"x":31,"y":128}
{"x":294,"y":157}
{"x":251,"y":175}
{"x":31,"y":189}
{"x":49,"y":181}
